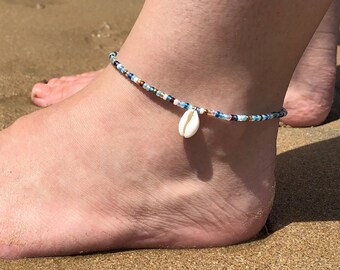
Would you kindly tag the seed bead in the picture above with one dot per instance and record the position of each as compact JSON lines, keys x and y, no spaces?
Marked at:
{"x":217,"y":114}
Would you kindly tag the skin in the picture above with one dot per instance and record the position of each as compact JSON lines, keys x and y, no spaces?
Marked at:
{"x":309,"y":96}
{"x":120,"y":176}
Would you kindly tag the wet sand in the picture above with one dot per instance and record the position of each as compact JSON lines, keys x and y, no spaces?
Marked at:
{"x":40,"y":40}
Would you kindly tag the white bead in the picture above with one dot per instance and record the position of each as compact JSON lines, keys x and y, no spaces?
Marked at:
{"x":202,"y":110}
{"x":228,"y":117}
{"x":242,"y":118}
{"x":165,"y":96}
{"x":176,"y":102}
{"x":136,"y":79}
{"x":189,"y":124}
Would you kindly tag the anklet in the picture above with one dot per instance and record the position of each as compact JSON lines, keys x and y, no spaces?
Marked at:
{"x":189,"y":123}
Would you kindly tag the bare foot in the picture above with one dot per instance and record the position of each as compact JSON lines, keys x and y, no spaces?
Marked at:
{"x":310,"y":94}
{"x":58,"y":89}
{"x":108,"y":182}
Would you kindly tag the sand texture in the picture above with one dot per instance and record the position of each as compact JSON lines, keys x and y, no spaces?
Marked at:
{"x":40,"y":40}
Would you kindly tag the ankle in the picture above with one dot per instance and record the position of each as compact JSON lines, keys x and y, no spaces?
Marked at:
{"x":202,"y":87}
{"x":201,"y":64}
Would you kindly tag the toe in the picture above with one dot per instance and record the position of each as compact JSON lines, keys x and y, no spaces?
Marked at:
{"x":69,"y":78}
{"x":54,"y":82}
{"x":41,"y":102}
{"x":40,"y":90}
{"x":40,"y":93}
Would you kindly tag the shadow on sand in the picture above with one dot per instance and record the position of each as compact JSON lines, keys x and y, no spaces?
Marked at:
{"x":308,"y":185}
{"x":308,"y":181}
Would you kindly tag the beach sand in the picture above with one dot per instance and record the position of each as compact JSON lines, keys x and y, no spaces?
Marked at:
{"x":41,"y":40}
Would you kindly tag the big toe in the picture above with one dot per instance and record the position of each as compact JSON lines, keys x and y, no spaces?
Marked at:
{"x":40,"y":93}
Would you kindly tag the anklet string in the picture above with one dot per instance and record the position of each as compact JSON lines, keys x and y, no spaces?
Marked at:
{"x":189,"y":122}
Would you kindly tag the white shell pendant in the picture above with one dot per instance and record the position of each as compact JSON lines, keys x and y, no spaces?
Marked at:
{"x":189,"y":123}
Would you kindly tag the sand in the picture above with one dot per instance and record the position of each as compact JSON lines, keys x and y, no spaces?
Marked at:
{"x":40,"y":40}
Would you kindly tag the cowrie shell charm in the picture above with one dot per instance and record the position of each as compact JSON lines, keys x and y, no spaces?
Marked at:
{"x":189,"y":124}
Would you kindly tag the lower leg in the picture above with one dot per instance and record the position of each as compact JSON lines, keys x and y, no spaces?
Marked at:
{"x":310,"y":94}
{"x":120,"y":176}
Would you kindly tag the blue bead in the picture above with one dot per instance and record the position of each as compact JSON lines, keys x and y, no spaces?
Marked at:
{"x":158,"y":93}
{"x":112,"y":54}
{"x":168,"y":98}
{"x":235,"y":117}
{"x":132,"y":77}
{"x":129,"y":75}
{"x":218,"y":114}
{"x":187,"y":105}
{"x":145,"y":85}
{"x":116,"y":63}
{"x":151,"y":89}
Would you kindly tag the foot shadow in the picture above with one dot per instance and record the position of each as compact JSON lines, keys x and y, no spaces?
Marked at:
{"x":335,"y":110}
{"x":308,"y":185}
{"x":338,"y":65}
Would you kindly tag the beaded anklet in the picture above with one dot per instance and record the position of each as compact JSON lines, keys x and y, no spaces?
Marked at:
{"x":189,"y":122}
